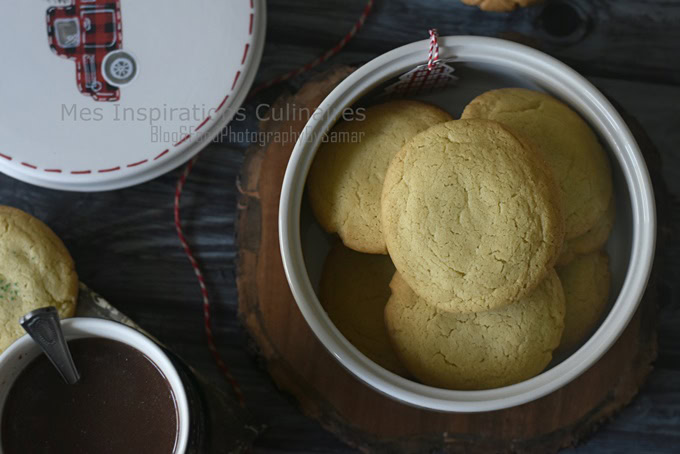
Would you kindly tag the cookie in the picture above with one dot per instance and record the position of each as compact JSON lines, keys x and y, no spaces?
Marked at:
{"x":567,"y":143}
{"x":500,"y":5}
{"x":470,"y":215}
{"x":36,"y":271}
{"x":591,"y":241}
{"x":476,"y":351}
{"x":346,"y":178}
{"x":354,"y":291}
{"x":586,"y":282}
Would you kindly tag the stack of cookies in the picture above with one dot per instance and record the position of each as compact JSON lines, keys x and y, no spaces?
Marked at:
{"x":470,"y":249}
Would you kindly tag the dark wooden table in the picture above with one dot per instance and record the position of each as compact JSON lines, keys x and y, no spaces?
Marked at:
{"x":125,"y":246}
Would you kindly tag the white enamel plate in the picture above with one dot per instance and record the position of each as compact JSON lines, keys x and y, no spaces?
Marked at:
{"x":103,"y":94}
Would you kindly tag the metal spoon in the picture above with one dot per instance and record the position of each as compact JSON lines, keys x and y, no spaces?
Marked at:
{"x":44,"y":327}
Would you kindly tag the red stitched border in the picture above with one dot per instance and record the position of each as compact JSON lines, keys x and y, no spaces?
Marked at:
{"x":222,"y":103}
{"x":112,"y":169}
{"x":238,"y":73}
{"x":135,"y":164}
{"x":163,"y":153}
{"x":203,"y":123}
{"x":187,"y":137}
{"x":245,"y":53}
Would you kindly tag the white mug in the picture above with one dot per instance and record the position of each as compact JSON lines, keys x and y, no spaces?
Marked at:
{"x":20,"y":353}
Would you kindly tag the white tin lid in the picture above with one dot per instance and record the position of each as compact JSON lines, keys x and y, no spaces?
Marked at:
{"x":141,"y":86}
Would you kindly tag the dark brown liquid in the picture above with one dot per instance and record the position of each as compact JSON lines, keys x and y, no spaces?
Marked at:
{"x":122,"y":404}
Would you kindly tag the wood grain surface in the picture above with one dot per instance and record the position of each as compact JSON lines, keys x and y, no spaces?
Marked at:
{"x":124,"y":242}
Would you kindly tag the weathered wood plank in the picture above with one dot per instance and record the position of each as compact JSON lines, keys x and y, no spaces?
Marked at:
{"x":125,"y":246}
{"x":625,"y":39}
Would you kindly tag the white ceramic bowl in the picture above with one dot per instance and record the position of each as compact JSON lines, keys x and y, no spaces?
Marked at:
{"x":20,"y":353}
{"x":481,"y":64}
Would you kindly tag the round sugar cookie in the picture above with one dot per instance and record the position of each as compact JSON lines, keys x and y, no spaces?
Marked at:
{"x":346,"y":177}
{"x":482,"y":350}
{"x":470,"y":215}
{"x":36,"y":271}
{"x":591,"y":241}
{"x":586,"y":282}
{"x":578,"y":161}
{"x":354,"y":290}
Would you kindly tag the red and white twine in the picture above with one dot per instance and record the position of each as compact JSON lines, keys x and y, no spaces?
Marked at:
{"x":433,"y":55}
{"x":201,"y":282}
{"x":212,"y":346}
{"x":331,"y":52}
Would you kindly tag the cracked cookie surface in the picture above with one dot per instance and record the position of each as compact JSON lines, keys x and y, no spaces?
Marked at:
{"x":591,"y":241}
{"x":578,"y":161}
{"x":345,"y":180}
{"x":354,"y":290}
{"x":36,"y":270}
{"x":586,"y":282}
{"x":471,"y":216}
{"x":476,"y":351}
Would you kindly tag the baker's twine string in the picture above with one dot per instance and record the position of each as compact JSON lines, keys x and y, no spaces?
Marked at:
{"x":212,"y":346}
{"x":433,"y":55}
{"x":316,"y":62}
{"x":201,"y":282}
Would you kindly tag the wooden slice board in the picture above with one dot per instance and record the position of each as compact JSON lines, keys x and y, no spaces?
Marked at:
{"x":362,"y":417}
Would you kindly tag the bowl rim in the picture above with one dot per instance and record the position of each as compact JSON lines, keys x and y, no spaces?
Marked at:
{"x":561,"y":80}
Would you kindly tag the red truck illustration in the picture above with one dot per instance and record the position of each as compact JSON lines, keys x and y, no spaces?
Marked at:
{"x":90,"y":32}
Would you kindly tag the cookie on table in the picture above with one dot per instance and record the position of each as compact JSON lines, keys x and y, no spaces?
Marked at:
{"x":591,"y":241}
{"x":476,"y":351}
{"x":586,"y":282}
{"x":500,"y":5}
{"x":354,"y":291}
{"x":346,"y":178}
{"x":36,"y":271}
{"x":567,"y":143}
{"x":470,"y":215}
